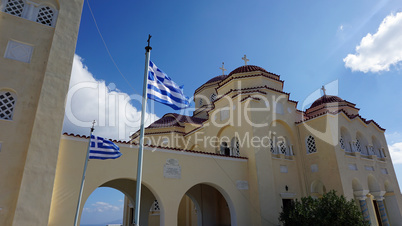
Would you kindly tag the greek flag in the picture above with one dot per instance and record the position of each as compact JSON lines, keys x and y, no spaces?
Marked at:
{"x":161,"y":88}
{"x":103,"y":149}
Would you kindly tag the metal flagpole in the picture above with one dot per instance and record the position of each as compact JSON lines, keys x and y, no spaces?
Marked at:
{"x":83,"y":177}
{"x":141,"y":148}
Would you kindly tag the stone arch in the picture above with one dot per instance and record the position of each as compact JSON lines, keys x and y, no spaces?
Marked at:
{"x":317,"y":188}
{"x":388,"y":186}
{"x":356,"y":185}
{"x":346,"y":139}
{"x":373,"y":184}
{"x":213,"y":204}
{"x":128,"y":188}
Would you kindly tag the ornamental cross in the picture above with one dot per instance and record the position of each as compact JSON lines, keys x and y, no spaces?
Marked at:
{"x":223,"y":68}
{"x":323,"y":90}
{"x":245,"y":59}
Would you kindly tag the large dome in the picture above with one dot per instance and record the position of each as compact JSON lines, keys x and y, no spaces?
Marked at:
{"x":247,"y":68}
{"x":325,"y":100}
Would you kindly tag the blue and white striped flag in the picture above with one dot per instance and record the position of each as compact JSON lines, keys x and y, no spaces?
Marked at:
{"x":161,"y":88}
{"x":103,"y":149}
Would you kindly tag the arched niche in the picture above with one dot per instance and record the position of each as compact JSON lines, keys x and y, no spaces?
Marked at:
{"x":206,"y":204}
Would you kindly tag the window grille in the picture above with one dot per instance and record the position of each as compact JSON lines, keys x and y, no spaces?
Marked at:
{"x":311,"y":148}
{"x":200,"y":102}
{"x":14,"y":7}
{"x":342,"y":143}
{"x":155,"y":206}
{"x":7,"y":102}
{"x":282,"y":147}
{"x":236,"y":149}
{"x":45,"y":16}
{"x":213,"y":97}
{"x":358,"y":146}
{"x":271,"y":144}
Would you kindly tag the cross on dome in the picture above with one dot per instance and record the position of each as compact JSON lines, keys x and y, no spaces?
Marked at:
{"x":323,"y":90}
{"x":245,"y":59}
{"x":223,"y":68}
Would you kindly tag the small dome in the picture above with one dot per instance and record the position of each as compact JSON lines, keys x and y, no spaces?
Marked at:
{"x":217,"y":78}
{"x":247,"y":68}
{"x":325,"y":100}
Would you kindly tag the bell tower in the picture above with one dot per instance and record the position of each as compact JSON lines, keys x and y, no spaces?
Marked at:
{"x":37,"y":45}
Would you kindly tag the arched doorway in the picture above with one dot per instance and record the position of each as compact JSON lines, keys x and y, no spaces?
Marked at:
{"x":203,"y":205}
{"x":149,"y":210}
{"x":104,"y":206}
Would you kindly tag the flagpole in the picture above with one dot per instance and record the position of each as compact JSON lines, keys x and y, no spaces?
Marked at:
{"x":83,"y":177}
{"x":141,"y":148}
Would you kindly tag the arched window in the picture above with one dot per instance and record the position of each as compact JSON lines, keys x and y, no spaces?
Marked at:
{"x":14,"y":7}
{"x":310,"y":144}
{"x":200,"y":102}
{"x":45,"y":15}
{"x":42,"y":14}
{"x":235,"y":146}
{"x":7,"y":104}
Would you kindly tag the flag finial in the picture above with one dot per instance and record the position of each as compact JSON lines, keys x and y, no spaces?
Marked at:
{"x":93,"y":125}
{"x":149,"y":41}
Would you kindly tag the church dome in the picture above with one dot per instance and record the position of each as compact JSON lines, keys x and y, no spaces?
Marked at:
{"x":247,"y":68}
{"x":325,"y":100}
{"x":217,"y":78}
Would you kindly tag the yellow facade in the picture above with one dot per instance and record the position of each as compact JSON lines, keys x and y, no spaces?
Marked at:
{"x":246,"y":150}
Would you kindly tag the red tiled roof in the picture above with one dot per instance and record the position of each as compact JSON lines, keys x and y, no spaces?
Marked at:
{"x":192,"y":151}
{"x":247,"y":68}
{"x":349,"y":116}
{"x":212,"y":80}
{"x":217,"y":78}
{"x":326,"y":99}
{"x":87,"y":137}
{"x":173,"y":119}
{"x":153,"y":146}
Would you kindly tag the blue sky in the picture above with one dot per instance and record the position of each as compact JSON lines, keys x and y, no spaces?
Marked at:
{"x":308,"y":43}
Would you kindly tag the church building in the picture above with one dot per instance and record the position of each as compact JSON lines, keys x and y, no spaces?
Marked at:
{"x":244,"y":153}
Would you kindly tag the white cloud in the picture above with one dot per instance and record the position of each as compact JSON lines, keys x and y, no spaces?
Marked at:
{"x":381,"y":50}
{"x":101,"y":207}
{"x":90,"y":99}
{"x":396,"y":152}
